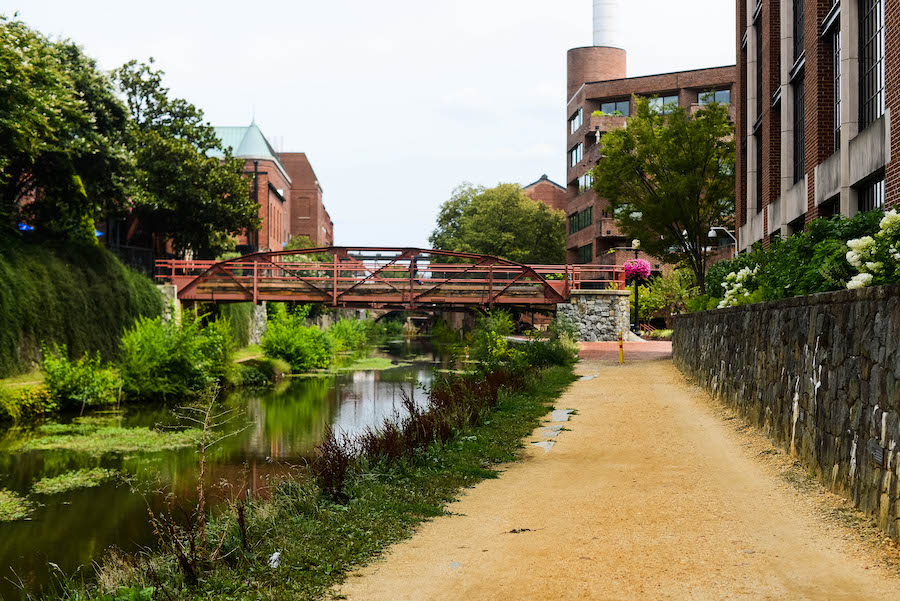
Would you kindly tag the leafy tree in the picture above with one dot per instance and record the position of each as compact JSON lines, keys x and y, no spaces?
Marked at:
{"x":63,"y":159}
{"x":183,"y":193}
{"x":669,"y":178}
{"x":502,"y":221}
{"x":668,"y":295}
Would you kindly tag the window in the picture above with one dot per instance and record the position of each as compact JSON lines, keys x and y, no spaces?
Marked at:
{"x":663,"y":104}
{"x":619,"y":106}
{"x":585,"y":182}
{"x":799,"y":129}
{"x":719,"y":96}
{"x":759,"y":172}
{"x":582,"y":220}
{"x":798,"y":29}
{"x":836,"y":52}
{"x":871,"y":61}
{"x":759,"y":68}
{"x":576,"y":154}
{"x":576,"y":121}
{"x":872,"y":196}
{"x":586,"y":253}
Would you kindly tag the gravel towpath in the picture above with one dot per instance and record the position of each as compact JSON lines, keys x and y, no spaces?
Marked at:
{"x":647,"y":493}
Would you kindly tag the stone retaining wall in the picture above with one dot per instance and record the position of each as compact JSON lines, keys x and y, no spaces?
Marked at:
{"x":598,"y":315}
{"x":820,"y":375}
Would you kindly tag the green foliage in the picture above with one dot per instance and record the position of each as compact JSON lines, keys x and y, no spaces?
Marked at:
{"x":350,"y":334}
{"x":84,"y":382}
{"x":489,"y":343}
{"x":169,"y":360}
{"x":667,"y":174}
{"x":184,"y":192}
{"x":77,"y":296}
{"x":61,"y":132}
{"x":25,"y":402}
{"x":668,"y":295}
{"x":502,"y":221}
{"x":95,"y":439}
{"x":305,"y":348}
{"x":86,"y":478}
{"x":807,"y":263}
{"x":13,"y":507}
{"x":238,"y":316}
{"x":658,"y":335}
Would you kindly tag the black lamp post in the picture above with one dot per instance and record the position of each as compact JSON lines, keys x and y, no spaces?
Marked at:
{"x":637,"y":301}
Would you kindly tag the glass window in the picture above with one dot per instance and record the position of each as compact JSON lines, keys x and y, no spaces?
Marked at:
{"x":582,"y":220}
{"x":872,"y":196}
{"x":759,"y":68}
{"x":576,"y":154}
{"x":871,"y":60}
{"x":576,"y":121}
{"x":759,"y":172}
{"x":586,"y":253}
{"x":798,"y":28}
{"x":719,"y":96}
{"x":799,"y":129}
{"x":585,"y":182}
{"x":622,"y":107}
{"x":664,"y":104}
{"x":836,"y":52}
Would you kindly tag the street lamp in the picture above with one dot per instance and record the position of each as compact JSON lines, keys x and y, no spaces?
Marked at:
{"x":713,"y":234}
{"x":636,"y":245}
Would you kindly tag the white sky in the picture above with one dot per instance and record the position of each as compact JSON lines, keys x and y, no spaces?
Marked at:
{"x":395,"y":102}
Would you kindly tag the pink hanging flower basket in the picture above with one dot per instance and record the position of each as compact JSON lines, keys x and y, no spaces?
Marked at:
{"x":637,"y":269}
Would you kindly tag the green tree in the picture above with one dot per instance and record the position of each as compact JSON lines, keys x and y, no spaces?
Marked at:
{"x":668,"y":295}
{"x":502,"y":221}
{"x":184,"y":193}
{"x":62,"y":141}
{"x":669,"y":177}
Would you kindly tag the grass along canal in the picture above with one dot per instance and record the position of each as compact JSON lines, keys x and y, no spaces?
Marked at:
{"x":85,"y":482}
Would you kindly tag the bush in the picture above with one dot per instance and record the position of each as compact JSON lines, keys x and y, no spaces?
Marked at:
{"x":304,"y":348}
{"x":82,"y":383}
{"x":80,"y":297}
{"x":164,"y":360}
{"x":350,"y":334}
{"x":239,"y":316}
{"x":489,"y":336}
{"x":18,"y":404}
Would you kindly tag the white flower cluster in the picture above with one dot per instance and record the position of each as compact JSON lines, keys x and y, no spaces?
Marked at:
{"x":863,"y":251}
{"x":735,"y":286}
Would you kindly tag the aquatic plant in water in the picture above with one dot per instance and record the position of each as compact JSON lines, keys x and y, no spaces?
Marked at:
{"x":97,"y":440}
{"x":12,"y":506}
{"x":87,"y":478}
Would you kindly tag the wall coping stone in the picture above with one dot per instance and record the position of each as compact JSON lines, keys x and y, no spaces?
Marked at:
{"x":874,"y":293}
{"x":599,"y":293}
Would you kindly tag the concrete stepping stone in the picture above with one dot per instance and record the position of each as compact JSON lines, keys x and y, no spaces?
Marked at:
{"x":546,"y":445}
{"x":587,"y":378}
{"x":561,"y":415}
{"x":551,"y":431}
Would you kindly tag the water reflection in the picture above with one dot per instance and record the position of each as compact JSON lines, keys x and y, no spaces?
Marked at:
{"x":278,"y":430}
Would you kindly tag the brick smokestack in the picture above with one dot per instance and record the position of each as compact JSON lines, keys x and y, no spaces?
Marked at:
{"x":605,"y":60}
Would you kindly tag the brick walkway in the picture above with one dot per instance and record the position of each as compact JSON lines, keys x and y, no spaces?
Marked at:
{"x":634,"y":351}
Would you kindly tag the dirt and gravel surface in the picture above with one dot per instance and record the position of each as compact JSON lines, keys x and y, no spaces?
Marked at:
{"x":652,"y":491}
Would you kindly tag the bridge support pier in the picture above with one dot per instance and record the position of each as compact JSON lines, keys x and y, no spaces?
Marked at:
{"x":598,"y":315}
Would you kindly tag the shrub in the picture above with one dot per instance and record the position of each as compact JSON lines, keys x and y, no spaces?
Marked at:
{"x":489,"y":336}
{"x":164,"y":360}
{"x":304,"y":348}
{"x":350,"y":334}
{"x":18,"y":404}
{"x":82,"y":383}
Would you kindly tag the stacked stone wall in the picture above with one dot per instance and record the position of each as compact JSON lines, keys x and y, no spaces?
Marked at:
{"x":820,"y":375}
{"x":599,"y":316}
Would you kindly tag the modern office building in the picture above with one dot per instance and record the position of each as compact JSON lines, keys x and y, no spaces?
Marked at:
{"x":600,"y":99}
{"x":814,"y":101}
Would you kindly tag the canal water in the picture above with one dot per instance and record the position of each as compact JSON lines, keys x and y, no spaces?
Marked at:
{"x":275,"y":432}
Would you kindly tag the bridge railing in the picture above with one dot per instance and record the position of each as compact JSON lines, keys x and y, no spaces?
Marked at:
{"x":397,"y":280}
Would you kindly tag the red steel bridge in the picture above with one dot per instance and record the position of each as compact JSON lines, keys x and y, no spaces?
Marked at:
{"x":389,"y":278}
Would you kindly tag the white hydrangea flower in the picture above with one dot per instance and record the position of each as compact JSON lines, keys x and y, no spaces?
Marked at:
{"x":890,"y":224}
{"x":874,"y":266}
{"x":860,"y":281}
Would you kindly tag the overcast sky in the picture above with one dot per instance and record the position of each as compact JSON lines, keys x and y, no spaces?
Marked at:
{"x":395,"y":102}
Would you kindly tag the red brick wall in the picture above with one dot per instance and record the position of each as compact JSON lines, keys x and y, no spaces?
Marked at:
{"x":309,"y":217}
{"x":548,"y":193}
{"x":892,"y":98}
{"x":273,"y":211}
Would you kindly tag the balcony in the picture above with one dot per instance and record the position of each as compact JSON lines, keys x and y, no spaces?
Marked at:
{"x":605,"y":123}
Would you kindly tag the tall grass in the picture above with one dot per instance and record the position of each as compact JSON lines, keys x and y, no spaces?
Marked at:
{"x":80,"y":297}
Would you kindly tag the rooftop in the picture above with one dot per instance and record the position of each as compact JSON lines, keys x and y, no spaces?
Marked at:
{"x":248,"y":142}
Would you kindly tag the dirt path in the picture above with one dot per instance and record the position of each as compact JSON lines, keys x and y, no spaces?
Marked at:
{"x":648,"y":495}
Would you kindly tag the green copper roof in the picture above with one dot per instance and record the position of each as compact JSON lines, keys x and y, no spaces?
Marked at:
{"x":248,"y":143}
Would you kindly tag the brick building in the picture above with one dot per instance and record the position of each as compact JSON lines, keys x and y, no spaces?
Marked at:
{"x":548,"y":192}
{"x":814,"y":101}
{"x":271,"y":186}
{"x":308,"y":214}
{"x":600,"y":99}
{"x":286,"y":188}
